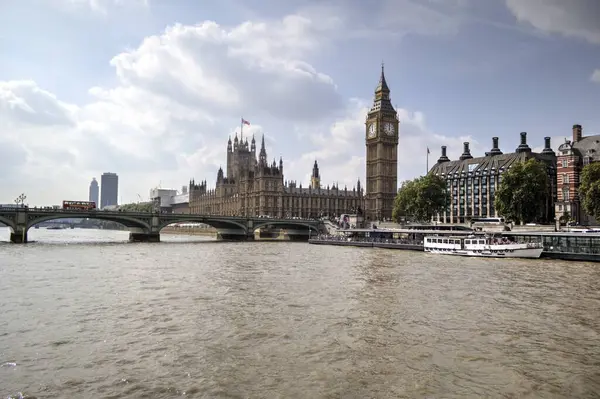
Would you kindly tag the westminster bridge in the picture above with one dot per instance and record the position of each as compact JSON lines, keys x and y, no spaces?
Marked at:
{"x":146,"y":226}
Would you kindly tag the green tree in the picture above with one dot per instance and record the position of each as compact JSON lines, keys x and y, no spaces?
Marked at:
{"x":522,"y":194}
{"x":137,"y":207}
{"x":420,"y":199}
{"x":589,"y":189}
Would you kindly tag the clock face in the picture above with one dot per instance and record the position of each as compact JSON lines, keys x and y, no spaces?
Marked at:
{"x":372,"y":130}
{"x":388,"y":128}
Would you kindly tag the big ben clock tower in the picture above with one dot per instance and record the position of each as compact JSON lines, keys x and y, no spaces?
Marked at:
{"x":382,"y":154}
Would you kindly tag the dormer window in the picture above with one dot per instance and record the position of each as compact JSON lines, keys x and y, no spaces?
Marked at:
{"x":586,"y":160}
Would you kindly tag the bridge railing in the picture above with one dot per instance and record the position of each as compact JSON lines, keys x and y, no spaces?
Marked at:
{"x":135,"y":213}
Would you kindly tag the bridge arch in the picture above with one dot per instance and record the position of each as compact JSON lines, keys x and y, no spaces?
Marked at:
{"x":313,"y":227}
{"x":126,"y":221}
{"x":9,"y":223}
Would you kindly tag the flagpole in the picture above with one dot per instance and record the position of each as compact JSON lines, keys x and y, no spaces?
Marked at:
{"x":242,"y":130}
{"x":427,"y":165}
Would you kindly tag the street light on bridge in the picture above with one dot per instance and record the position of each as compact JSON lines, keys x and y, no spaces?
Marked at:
{"x":20,"y":199}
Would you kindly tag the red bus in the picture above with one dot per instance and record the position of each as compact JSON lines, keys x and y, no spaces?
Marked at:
{"x":79,"y":205}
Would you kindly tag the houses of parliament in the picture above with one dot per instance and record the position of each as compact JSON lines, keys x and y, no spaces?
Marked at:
{"x":253,"y":186}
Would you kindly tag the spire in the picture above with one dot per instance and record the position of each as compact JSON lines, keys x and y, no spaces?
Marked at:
{"x":382,"y":103}
{"x":382,"y":86}
{"x":262,"y":157}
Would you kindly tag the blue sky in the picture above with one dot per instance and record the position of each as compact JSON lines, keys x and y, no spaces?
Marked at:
{"x":152,"y":89}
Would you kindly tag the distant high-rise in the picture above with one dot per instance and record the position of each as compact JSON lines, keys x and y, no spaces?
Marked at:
{"x":94,"y":191}
{"x":109,"y":183}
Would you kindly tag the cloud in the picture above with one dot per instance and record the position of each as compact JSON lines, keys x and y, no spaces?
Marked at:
{"x":573,"y":18}
{"x":340,"y":147}
{"x":178,"y":95}
{"x":175,"y":102}
{"x":595,"y":76}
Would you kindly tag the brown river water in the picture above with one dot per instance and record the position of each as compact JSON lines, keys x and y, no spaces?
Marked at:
{"x":85,"y":315}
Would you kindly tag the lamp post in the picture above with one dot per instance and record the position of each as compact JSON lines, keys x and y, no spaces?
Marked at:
{"x":20,"y":199}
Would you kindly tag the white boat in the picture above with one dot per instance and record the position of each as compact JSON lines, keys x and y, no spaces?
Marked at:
{"x":481,"y":246}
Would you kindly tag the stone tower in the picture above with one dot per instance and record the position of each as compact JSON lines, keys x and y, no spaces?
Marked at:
{"x":315,"y":178}
{"x":382,"y":154}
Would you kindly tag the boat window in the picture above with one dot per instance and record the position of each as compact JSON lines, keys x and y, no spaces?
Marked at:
{"x":445,"y":241}
{"x":467,"y":241}
{"x":481,"y":241}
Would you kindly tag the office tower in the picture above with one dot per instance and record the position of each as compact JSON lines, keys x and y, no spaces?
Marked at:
{"x":109,"y":183}
{"x":94,"y":191}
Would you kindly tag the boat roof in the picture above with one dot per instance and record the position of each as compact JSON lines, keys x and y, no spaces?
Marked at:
{"x":407,"y":231}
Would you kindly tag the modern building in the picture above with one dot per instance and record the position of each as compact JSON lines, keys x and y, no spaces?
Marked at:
{"x":472,"y":182}
{"x":94,"y":191}
{"x":109,"y":185}
{"x":381,"y":140}
{"x":573,"y":156}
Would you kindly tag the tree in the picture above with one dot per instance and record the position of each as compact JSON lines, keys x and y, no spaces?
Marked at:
{"x":589,"y":189}
{"x":522,"y":194}
{"x":137,"y":207}
{"x":419,"y":199}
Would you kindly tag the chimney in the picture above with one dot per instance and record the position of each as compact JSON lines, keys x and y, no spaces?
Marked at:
{"x":523,"y":147}
{"x":443,"y":157}
{"x":548,"y":147}
{"x":495,"y":150}
{"x":466,"y":152}
{"x":577,"y":133}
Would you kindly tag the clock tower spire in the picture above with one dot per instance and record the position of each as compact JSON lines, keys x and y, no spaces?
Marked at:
{"x":382,"y":154}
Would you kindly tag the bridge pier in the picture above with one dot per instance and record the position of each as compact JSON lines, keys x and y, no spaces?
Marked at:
{"x":233,"y":237}
{"x":144,"y":237}
{"x":19,"y":237}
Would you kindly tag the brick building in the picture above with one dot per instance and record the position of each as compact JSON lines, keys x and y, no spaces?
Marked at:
{"x":573,"y":156}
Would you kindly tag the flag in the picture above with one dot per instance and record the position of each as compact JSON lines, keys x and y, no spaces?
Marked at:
{"x":245,"y":122}
{"x":428,"y":151}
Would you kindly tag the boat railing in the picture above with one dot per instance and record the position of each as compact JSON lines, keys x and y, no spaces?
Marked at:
{"x":327,"y":237}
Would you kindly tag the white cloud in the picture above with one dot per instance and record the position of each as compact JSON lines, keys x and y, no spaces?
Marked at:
{"x":177,"y":97}
{"x":340,"y":147}
{"x":596,"y":76}
{"x":573,"y":18}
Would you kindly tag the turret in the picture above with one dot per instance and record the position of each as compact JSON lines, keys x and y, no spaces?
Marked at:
{"x":220,"y":175}
{"x":495,"y":147}
{"x":229,"y":149}
{"x":253,"y":144}
{"x":315,"y":178}
{"x":281,"y":165}
{"x":443,"y":157}
{"x":262,"y":157}
{"x":523,"y":147}
{"x":548,"y":147}
{"x":466,"y":152}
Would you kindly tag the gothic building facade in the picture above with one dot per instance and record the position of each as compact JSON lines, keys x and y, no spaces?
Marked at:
{"x":254,"y":187}
{"x":251,"y":186}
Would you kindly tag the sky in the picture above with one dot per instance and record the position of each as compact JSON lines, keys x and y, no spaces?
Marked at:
{"x":152,"y":89}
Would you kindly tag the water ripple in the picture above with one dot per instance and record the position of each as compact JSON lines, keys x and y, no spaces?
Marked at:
{"x":96,"y":319}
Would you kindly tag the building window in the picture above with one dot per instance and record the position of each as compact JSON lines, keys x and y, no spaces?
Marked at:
{"x":565,"y":163}
{"x":565,"y":178}
{"x":566,"y":194}
{"x":586,"y":160}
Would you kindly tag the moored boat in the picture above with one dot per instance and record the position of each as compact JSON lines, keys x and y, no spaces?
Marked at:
{"x":491,"y":246}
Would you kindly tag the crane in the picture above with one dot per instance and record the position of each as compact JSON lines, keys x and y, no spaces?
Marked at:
{"x":140,"y":198}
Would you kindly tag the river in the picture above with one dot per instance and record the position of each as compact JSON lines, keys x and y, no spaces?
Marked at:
{"x":86,"y":315}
